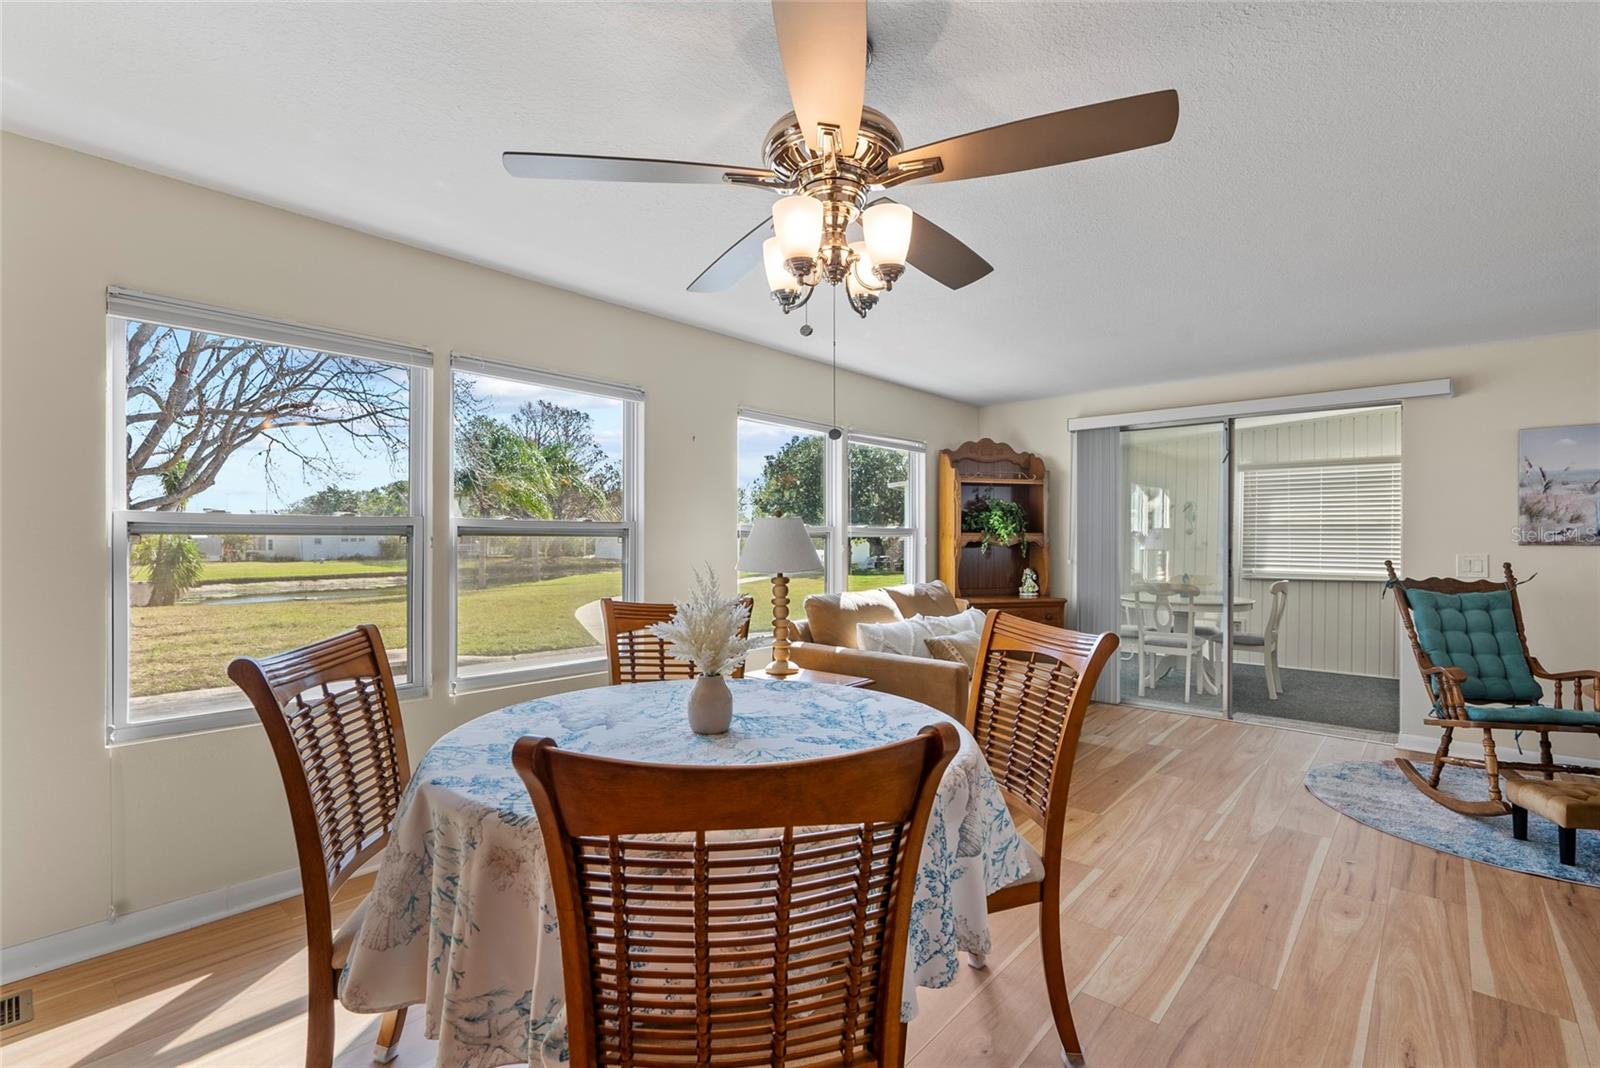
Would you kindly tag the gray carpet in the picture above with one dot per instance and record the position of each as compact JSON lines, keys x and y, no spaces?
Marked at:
{"x":1308,"y":696}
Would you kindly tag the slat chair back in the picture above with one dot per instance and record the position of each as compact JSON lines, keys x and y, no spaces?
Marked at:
{"x":770,"y":926}
{"x":635,"y":654}
{"x":1030,"y":690}
{"x":332,"y":715}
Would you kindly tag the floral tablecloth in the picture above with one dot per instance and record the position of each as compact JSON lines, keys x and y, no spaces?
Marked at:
{"x":461,"y":920}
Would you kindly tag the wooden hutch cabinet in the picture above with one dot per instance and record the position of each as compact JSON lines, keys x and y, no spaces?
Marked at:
{"x":990,"y":578}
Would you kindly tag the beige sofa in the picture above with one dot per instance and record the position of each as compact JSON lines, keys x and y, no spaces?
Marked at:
{"x":827,"y":642}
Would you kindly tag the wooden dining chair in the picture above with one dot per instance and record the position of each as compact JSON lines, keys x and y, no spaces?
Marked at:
{"x":333,"y":719}
{"x":771,"y":927}
{"x":1030,"y":689}
{"x":635,"y":654}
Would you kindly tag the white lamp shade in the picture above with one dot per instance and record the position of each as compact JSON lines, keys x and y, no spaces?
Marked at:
{"x":778,"y":277}
{"x":797,"y":221}
{"x":887,"y":228}
{"x":779,"y":545}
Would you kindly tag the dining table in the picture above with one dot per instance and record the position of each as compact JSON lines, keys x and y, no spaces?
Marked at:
{"x":461,"y":920}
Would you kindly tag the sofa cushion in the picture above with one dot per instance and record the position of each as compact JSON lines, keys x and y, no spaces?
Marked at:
{"x":833,"y":616}
{"x":923,"y":599}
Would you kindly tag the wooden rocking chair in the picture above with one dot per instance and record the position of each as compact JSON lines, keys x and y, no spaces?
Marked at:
{"x":1470,"y":647}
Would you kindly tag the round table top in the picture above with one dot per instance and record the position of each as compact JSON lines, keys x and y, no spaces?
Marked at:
{"x":774,"y":721}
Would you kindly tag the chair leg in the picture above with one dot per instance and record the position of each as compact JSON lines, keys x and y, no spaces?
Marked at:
{"x":1438,"y":757}
{"x":319,"y":1031}
{"x":1545,"y":756}
{"x":1055,"y":980}
{"x":1188,"y":676}
{"x":388,"y":1044}
{"x":1519,"y":823}
{"x":1568,"y":839}
{"x":1141,"y":672}
{"x":1491,"y":766}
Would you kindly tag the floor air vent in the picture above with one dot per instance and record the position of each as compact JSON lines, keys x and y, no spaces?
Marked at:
{"x":16,"y":1008}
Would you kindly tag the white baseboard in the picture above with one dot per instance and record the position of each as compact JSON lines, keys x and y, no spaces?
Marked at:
{"x":1422,"y":743}
{"x":69,"y":947}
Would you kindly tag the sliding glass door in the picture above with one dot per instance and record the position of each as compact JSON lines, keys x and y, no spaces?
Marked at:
{"x":1177,"y":604}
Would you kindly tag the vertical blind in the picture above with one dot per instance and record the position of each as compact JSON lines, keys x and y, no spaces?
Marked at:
{"x":1096,"y":602}
{"x":1339,"y":520}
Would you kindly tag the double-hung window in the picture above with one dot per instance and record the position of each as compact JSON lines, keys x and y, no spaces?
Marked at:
{"x":546,"y":481}
{"x":267,"y":489}
{"x":861,"y":498}
{"x":1332,"y":520}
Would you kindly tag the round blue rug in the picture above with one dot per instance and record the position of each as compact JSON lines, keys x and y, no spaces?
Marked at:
{"x":1377,"y":794}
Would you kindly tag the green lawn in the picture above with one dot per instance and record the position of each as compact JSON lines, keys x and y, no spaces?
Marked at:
{"x":188,"y":646}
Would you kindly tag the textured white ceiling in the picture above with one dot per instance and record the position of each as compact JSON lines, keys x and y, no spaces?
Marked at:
{"x":1345,"y":178}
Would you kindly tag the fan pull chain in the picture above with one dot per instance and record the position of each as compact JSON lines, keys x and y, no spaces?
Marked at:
{"x":834,"y":432}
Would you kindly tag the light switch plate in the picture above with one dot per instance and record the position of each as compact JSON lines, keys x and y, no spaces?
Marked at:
{"x":1472,"y":566}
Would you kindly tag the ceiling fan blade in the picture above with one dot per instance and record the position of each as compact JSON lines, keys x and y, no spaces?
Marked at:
{"x":823,"y":44}
{"x":941,"y":255}
{"x":1046,"y":140}
{"x":743,"y":255}
{"x":622,"y":168}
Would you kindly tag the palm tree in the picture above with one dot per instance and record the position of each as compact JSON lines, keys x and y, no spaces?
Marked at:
{"x":172,"y":563}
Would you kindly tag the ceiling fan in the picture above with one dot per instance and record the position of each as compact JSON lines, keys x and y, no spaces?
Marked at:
{"x":832,"y":154}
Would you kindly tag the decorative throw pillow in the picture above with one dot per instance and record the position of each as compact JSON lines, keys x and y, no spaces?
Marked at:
{"x":909,"y":637}
{"x":970,"y":621}
{"x":905,"y":637}
{"x":961,"y":648}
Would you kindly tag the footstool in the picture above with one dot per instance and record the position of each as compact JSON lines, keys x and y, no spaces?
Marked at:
{"x":1571,"y":806}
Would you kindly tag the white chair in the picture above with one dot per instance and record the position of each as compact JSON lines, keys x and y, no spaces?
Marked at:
{"x":1128,"y":631}
{"x":1159,"y":637}
{"x":1267,"y":641}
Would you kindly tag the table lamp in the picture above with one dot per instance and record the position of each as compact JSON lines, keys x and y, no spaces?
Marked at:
{"x":781,"y":545}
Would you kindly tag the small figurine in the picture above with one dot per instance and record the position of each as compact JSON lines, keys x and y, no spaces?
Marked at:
{"x":1030,"y":583}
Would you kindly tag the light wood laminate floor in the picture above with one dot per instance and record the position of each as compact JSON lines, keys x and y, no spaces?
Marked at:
{"x":1216,"y":914}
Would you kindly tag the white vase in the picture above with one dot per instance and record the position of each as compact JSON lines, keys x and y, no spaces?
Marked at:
{"x":710,"y":705}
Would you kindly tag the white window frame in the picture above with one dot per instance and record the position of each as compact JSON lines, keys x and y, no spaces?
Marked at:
{"x":630,"y":529}
{"x":836,"y":529}
{"x":123,"y":305}
{"x":1246,"y":568}
{"x":916,"y":482}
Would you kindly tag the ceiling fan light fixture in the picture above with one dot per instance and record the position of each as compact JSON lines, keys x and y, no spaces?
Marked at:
{"x":861,"y":270}
{"x":779,"y":280}
{"x":887,"y":228}
{"x":797,"y":222}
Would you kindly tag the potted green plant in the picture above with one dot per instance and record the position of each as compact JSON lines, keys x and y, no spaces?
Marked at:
{"x":1000,"y":520}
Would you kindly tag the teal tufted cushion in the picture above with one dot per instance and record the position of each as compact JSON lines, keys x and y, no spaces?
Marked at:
{"x":1571,"y":717}
{"x":1477,"y":633}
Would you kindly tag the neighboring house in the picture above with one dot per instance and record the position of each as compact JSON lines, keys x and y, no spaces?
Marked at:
{"x":299,"y":546}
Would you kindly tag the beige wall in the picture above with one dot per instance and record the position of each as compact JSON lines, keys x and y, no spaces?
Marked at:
{"x":1460,"y":470}
{"x":85,"y":827}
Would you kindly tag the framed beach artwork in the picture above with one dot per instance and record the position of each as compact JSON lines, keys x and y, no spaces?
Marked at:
{"x":1558,"y":485}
